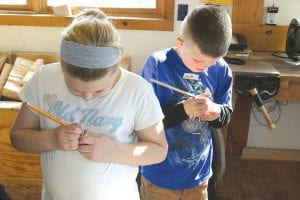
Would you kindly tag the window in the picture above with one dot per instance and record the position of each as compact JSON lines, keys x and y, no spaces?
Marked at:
{"x":107,"y":3}
{"x":126,"y":14}
{"x":13,"y":2}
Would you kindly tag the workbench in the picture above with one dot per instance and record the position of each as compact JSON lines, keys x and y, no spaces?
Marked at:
{"x":289,"y":89}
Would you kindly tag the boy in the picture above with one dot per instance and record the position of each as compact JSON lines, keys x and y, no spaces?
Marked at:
{"x":115,"y":109}
{"x":195,"y":65}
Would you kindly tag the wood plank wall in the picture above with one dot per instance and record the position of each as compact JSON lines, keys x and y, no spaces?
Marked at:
{"x":247,"y":18}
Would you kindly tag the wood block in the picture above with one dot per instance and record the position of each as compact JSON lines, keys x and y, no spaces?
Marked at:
{"x":15,"y":80}
{"x":62,"y":10}
{"x":22,"y":65}
{"x":21,"y":72}
{"x":16,"y":74}
{"x":3,"y":59}
{"x":4,"y":76}
{"x":47,"y":57}
{"x":27,"y":77}
{"x":33,"y":68}
{"x":11,"y":91}
{"x":36,"y":64}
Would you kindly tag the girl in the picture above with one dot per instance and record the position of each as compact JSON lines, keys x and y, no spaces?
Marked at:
{"x":116,"y":110}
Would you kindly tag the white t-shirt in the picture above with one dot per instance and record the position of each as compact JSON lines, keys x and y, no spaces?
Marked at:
{"x":67,"y":175}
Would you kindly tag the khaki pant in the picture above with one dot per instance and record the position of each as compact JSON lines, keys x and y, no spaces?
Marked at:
{"x":150,"y":191}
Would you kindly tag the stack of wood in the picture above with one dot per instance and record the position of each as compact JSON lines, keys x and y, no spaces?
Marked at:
{"x":13,"y":77}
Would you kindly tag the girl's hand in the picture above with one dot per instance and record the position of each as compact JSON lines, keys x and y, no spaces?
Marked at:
{"x":96,"y":147}
{"x":67,"y":137}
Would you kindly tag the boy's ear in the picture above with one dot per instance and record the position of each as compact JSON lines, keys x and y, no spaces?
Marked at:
{"x":179,"y":42}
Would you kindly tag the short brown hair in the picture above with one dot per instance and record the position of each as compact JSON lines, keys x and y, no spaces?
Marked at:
{"x":209,"y":27}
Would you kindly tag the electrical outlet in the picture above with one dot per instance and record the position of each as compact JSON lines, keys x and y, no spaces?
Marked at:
{"x":182,"y":11}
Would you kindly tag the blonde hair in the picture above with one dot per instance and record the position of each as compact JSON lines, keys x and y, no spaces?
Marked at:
{"x":92,"y":28}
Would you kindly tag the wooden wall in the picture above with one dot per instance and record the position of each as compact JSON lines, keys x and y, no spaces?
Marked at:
{"x":20,"y":173}
{"x":247,"y":18}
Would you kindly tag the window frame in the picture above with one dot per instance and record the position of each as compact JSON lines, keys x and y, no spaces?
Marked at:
{"x":29,"y":7}
{"x":37,"y":13}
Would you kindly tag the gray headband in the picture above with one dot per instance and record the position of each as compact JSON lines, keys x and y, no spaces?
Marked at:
{"x":88,"y":56}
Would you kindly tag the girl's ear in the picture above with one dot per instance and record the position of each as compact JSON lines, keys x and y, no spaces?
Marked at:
{"x":179,"y":42}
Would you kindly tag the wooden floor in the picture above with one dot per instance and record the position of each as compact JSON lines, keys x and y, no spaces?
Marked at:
{"x":252,"y":179}
{"x":244,"y":179}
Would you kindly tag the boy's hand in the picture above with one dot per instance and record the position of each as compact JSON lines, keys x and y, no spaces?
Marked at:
{"x":96,"y":147}
{"x":67,"y":137}
{"x":202,"y":107}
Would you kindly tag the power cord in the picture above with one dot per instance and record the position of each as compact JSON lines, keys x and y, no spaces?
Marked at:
{"x":271,"y":106}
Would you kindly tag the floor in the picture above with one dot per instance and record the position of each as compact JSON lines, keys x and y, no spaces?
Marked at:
{"x":252,"y":179}
{"x":244,"y":179}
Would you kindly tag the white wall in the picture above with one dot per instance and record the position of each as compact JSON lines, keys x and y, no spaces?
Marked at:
{"x":139,"y":44}
{"x":286,"y":135}
{"x":288,"y":9}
